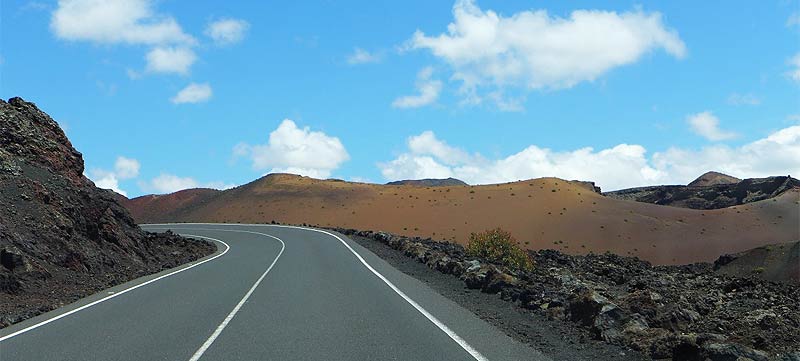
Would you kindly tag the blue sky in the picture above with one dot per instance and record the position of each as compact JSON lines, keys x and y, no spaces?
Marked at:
{"x":165,"y":95}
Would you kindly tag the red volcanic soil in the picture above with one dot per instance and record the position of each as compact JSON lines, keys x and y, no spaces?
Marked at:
{"x":168,"y":206}
{"x":543,"y":213}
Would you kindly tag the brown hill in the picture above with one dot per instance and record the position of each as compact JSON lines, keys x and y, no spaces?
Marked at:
{"x":61,"y":238}
{"x":713,"y":178}
{"x":429,"y":182}
{"x":544,"y":213}
{"x":169,"y":206}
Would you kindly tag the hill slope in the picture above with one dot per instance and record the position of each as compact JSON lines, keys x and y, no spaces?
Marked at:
{"x":61,"y":238}
{"x":544,"y":213}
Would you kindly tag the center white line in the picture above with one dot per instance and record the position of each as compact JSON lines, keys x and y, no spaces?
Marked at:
{"x":199,"y":353}
{"x":450,"y":333}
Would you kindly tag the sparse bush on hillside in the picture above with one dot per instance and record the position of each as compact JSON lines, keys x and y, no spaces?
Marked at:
{"x":499,"y":246}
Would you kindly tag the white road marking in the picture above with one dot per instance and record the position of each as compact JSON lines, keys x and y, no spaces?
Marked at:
{"x":455,"y":337}
{"x":112,"y":295}
{"x":199,"y":353}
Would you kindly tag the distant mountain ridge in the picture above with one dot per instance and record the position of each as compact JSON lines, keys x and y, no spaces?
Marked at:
{"x":710,"y":191}
{"x":542,"y":213}
{"x":429,"y":182}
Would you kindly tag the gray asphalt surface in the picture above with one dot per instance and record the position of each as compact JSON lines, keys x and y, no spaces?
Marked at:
{"x":318,"y":302}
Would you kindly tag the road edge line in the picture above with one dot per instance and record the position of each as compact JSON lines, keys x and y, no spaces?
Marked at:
{"x":65,"y":314}
{"x":450,"y":333}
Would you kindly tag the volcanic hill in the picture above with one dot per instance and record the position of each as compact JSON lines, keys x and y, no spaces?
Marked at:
{"x":543,"y":213}
{"x":711,"y":191}
{"x":61,"y":238}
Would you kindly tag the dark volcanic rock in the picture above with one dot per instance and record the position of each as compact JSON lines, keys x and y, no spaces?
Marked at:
{"x":61,"y":238}
{"x":714,"y":196}
{"x":684,"y":312}
{"x":429,"y":182}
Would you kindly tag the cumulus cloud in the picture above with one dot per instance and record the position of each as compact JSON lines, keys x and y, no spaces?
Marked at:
{"x":227,"y":31}
{"x":170,"y":60}
{"x":533,"y":50}
{"x":361,"y":56}
{"x":193,"y":93}
{"x":621,"y":166}
{"x":170,"y":183}
{"x":706,"y":124}
{"x":428,"y":89}
{"x":124,"y":168}
{"x":131,"y":22}
{"x":106,"y":180}
{"x":113,"y":22}
{"x":291,"y":149}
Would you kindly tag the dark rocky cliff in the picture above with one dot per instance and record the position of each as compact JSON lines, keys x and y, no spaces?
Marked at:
{"x":61,"y":238}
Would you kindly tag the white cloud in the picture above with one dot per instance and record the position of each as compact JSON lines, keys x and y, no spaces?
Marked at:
{"x":113,"y":22}
{"x":361,"y":56}
{"x":170,"y":183}
{"x":126,"y":168}
{"x":621,"y":166}
{"x":170,"y":60}
{"x":227,"y":31}
{"x":533,"y":49}
{"x":428,"y":88}
{"x":296,"y":150}
{"x":794,"y":73}
{"x":193,"y":93}
{"x":106,"y":180}
{"x":706,"y":124}
{"x":427,"y":144}
{"x":743,"y":99}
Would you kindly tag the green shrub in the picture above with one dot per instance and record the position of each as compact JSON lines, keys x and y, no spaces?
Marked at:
{"x":499,"y":246}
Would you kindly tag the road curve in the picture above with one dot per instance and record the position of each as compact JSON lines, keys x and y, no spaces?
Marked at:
{"x":270,"y":293}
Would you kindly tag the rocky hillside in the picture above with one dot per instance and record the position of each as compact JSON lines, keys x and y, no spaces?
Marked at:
{"x":430,"y":182}
{"x":720,"y":192}
{"x":61,"y":238}
{"x":774,"y":262}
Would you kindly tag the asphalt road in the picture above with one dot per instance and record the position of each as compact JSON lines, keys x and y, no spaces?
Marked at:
{"x":269,"y":293}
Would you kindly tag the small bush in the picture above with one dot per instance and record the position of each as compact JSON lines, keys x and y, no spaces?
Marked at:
{"x":498,"y":246}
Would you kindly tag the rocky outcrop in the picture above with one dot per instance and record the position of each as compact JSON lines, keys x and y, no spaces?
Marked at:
{"x":715,"y":196}
{"x":430,"y":182}
{"x":61,"y":238}
{"x":668,"y":312}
